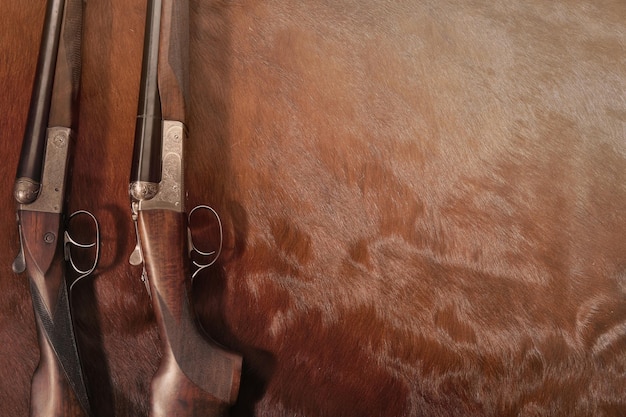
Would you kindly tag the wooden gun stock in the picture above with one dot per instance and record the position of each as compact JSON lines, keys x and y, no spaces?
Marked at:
{"x":196,"y":377}
{"x":51,"y":395}
{"x":51,"y":392}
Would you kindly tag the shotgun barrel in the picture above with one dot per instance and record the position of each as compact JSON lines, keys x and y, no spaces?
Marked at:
{"x":30,"y":166}
{"x":146,"y":167}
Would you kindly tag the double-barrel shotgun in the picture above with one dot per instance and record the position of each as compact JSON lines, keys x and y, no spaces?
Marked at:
{"x":58,"y":384}
{"x":196,"y":377}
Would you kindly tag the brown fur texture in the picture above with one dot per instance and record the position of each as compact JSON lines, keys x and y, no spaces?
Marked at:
{"x":424,"y":205}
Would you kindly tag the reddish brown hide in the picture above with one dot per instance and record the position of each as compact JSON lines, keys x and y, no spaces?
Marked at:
{"x":425,"y":205}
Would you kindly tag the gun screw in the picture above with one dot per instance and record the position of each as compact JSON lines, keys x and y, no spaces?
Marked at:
{"x":49,"y":237}
{"x":59,"y":140}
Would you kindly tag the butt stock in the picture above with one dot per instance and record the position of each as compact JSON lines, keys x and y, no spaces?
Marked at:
{"x":196,"y":377}
{"x":51,"y":394}
{"x":54,"y":387}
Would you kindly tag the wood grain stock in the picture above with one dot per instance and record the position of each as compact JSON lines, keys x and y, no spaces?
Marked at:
{"x":196,"y":377}
{"x":51,"y":394}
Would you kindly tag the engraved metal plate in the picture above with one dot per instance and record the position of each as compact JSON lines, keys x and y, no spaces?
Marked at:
{"x":52,"y":192}
{"x":170,"y":195}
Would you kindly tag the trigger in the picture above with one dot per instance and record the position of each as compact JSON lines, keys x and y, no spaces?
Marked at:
{"x":135,"y":257}
{"x":19,"y":264}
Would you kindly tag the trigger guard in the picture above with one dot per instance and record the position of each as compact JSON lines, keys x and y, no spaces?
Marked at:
{"x":192,"y":246}
{"x":69,"y":240}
